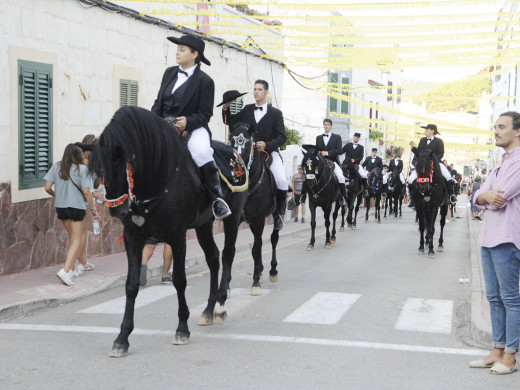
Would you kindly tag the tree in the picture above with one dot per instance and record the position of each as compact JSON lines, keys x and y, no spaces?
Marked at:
{"x":293,"y":138}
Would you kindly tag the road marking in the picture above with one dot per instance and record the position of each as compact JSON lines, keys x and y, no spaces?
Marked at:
{"x":324,"y":308}
{"x":145,"y":297}
{"x":426,"y":315}
{"x":240,"y":298}
{"x":253,"y":338}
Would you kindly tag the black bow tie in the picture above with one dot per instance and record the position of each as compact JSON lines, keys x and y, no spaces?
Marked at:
{"x":429,"y":139}
{"x":258,"y":108}
{"x":325,"y":135}
{"x":185,"y":73}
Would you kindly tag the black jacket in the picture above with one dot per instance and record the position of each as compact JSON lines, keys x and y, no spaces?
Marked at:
{"x":357,"y":154}
{"x":436,"y":145}
{"x":270,"y":129}
{"x":395,"y":165}
{"x":197,"y":102}
{"x":368,"y":163}
{"x":333,"y":147}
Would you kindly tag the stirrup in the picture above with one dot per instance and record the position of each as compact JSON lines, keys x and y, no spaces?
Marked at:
{"x":225,"y":213}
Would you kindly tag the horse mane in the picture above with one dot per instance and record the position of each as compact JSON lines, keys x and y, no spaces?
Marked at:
{"x":140,"y":136}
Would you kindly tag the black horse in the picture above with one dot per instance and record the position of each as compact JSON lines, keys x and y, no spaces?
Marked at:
{"x":261,"y":200}
{"x":395,"y":194}
{"x":375,"y":189}
{"x":153,"y":187}
{"x":323,"y":190}
{"x":354,"y":194}
{"x":429,"y":194}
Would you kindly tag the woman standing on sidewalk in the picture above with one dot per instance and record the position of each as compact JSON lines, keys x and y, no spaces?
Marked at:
{"x":72,"y":189}
{"x":500,"y":252}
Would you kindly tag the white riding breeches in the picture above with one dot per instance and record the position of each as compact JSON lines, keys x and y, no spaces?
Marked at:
{"x":444,"y":171}
{"x":362,"y":172}
{"x":200,"y":147}
{"x":278,"y":172}
{"x":339,"y":173}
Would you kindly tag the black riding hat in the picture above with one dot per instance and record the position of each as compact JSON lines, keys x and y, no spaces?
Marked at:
{"x":431,"y":127}
{"x":229,"y":96}
{"x":193,"y":42}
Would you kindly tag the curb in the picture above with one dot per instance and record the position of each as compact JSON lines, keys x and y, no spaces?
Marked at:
{"x":25,"y":307}
{"x":480,"y":329}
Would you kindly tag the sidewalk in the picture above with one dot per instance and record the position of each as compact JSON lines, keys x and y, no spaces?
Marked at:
{"x":24,"y":292}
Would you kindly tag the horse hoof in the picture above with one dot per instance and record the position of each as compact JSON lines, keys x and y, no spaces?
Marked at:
{"x":420,"y":251}
{"x":256,"y":291}
{"x":332,"y":240}
{"x":440,"y":248}
{"x":181,"y":339}
{"x":310,"y":247}
{"x":349,"y":226}
{"x":431,"y":253}
{"x":118,"y":351}
{"x":219,"y":314}
{"x":366,"y":220}
{"x":354,"y":227}
{"x":341,"y":229}
{"x":328,"y":245}
{"x":378,"y":221}
{"x":205,"y":319}
{"x":273,"y":278}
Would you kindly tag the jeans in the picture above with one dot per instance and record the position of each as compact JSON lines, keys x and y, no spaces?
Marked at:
{"x":501,"y":267}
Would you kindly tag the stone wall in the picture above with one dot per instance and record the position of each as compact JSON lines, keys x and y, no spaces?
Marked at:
{"x":31,"y":236}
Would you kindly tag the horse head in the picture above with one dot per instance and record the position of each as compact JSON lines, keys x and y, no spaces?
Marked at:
{"x":135,"y":157}
{"x":241,"y":139}
{"x":376,"y":179}
{"x":314,"y":166}
{"x":428,"y":171}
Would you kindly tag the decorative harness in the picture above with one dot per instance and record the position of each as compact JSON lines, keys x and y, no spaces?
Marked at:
{"x":312,"y":176}
{"x":426,"y":179}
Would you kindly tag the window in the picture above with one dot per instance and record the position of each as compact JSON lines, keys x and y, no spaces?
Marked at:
{"x":236,"y":106}
{"x":338,"y":86}
{"x":390,"y":92}
{"x":35,"y":123}
{"x":128,"y":91}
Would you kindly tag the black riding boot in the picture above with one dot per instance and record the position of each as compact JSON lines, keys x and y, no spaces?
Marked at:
{"x":343,"y":190}
{"x":211,"y":181}
{"x":450,"y":185}
{"x":365,"y":187}
{"x":281,"y":204}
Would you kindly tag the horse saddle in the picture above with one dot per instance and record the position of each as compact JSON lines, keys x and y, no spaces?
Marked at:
{"x":233,"y":170}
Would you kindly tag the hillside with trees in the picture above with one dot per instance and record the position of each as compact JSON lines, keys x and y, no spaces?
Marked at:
{"x":456,"y":95}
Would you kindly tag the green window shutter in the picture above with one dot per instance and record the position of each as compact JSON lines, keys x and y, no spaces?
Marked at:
{"x":128,"y":92}
{"x":35,"y":123}
{"x":333,"y":102}
{"x":236,"y":106}
{"x":344,"y":92}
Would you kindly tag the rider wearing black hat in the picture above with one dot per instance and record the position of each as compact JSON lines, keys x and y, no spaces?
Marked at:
{"x":436,"y":145}
{"x":186,"y":97}
{"x":356,"y":152}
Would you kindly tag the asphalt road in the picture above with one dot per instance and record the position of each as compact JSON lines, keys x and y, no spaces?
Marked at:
{"x":368,"y":313}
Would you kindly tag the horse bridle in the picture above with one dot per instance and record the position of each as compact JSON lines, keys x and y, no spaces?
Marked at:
{"x":426,"y":180}
{"x":128,"y":196}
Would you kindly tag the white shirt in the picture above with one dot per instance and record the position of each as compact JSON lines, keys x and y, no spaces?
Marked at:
{"x":181,"y":77}
{"x":428,"y":140}
{"x":259,"y":114}
{"x":327,"y":139}
{"x":355,"y":145}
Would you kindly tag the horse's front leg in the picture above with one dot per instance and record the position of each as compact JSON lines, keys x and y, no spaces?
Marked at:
{"x":312,"y":207}
{"x":368,"y":209}
{"x":431,"y":231}
{"x":326,"y":215}
{"x":443,"y":211}
{"x":257,"y":228}
{"x":421,"y":221}
{"x":356,"y":210}
{"x":134,"y":244}
{"x":211,"y":253}
{"x":342,"y":226}
{"x":273,"y":272}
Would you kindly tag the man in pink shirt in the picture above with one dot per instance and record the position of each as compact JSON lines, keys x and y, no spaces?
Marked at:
{"x":500,"y":242}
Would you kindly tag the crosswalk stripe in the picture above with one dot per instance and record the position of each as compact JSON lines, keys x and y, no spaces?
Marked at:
{"x":426,"y":315}
{"x":145,"y":297}
{"x":240,"y":298}
{"x":325,"y":308}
